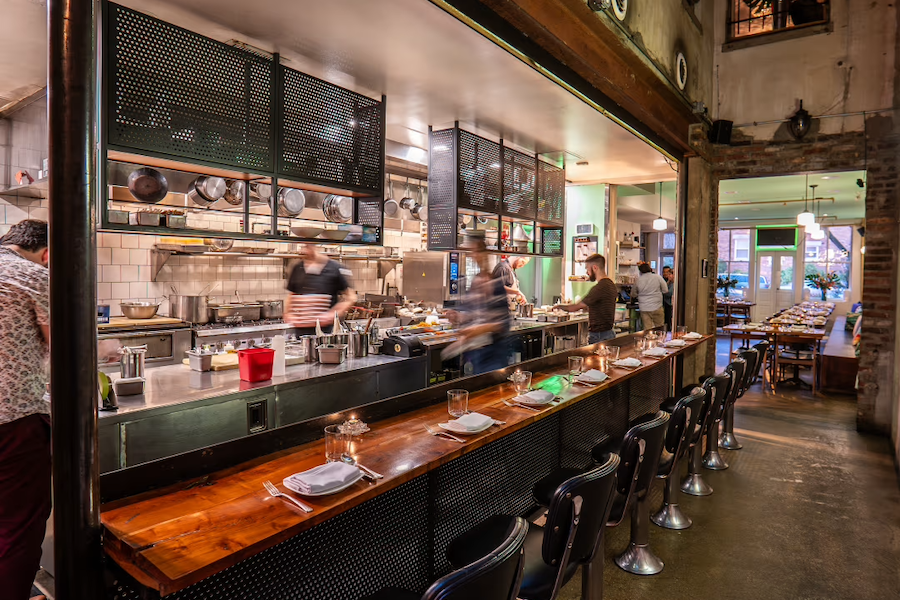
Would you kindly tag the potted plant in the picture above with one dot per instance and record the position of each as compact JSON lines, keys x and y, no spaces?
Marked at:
{"x":725,"y":283}
{"x":824,"y":282}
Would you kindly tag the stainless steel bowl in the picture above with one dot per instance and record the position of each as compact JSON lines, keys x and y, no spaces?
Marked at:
{"x":139,"y":310}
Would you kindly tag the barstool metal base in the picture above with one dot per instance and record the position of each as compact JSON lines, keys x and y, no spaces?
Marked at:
{"x":729,"y":442}
{"x":695,"y":485}
{"x":639,"y":560}
{"x":714,"y":461}
{"x":671,"y":517}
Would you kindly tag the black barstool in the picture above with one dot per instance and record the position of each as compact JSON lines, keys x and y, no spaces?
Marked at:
{"x":716,"y":389}
{"x":495,"y":573}
{"x":684,"y":426}
{"x":726,"y":436}
{"x":572,"y":537}
{"x":763,"y":349}
{"x":712,"y":459}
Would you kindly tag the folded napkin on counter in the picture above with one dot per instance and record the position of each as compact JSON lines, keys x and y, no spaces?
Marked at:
{"x":592,"y":376}
{"x":322,"y":478}
{"x":473,"y":421}
{"x":675,"y":343}
{"x":692,"y":336}
{"x":657,"y":351}
{"x":628,"y":362}
{"x":535,"y":397}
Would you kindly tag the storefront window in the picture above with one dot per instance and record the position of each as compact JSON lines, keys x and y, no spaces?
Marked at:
{"x":832,"y":254}
{"x":753,"y":17}
{"x":734,"y":258}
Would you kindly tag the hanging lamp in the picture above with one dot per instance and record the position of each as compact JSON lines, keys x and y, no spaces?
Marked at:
{"x":814,"y":227}
{"x":805,"y":218}
{"x":660,"y":224}
{"x":817,"y":233}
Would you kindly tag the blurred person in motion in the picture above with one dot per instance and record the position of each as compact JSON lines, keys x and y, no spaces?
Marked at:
{"x":483,"y":318}
{"x":506,"y":272}
{"x":600,"y":301}
{"x":320,"y":289}
{"x":669,"y":275}
{"x":648,"y":290}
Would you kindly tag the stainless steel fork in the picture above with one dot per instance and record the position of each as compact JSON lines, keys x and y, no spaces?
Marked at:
{"x":276,"y":493}
{"x":433,"y":431}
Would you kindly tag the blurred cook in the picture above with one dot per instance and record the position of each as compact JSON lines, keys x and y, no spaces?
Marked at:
{"x":319,"y":289}
{"x":505,"y":271}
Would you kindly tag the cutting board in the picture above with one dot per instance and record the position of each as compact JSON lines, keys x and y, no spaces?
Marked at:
{"x":227,"y":362}
{"x":123,"y":322}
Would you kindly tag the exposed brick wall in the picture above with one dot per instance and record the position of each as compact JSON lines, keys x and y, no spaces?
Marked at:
{"x":875,"y":151}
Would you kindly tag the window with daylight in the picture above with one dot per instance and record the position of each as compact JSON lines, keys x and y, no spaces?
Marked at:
{"x":753,"y":17}
{"x":832,"y":254}
{"x":734,"y":257}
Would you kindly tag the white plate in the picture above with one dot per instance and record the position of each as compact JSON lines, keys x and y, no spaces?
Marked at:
{"x":592,"y":381}
{"x":619,"y":364}
{"x":462,"y":430}
{"x":533,"y":403}
{"x":327,"y":493}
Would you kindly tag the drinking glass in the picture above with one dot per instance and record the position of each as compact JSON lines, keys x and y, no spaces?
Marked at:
{"x":612,"y":352}
{"x":575,"y":366}
{"x":521,"y":380}
{"x":335,"y":443}
{"x":458,"y":402}
{"x":680,"y":331}
{"x":639,"y":345}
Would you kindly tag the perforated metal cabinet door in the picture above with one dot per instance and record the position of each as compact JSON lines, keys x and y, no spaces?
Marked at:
{"x":551,"y":241}
{"x":519,"y":181}
{"x":178,"y":93}
{"x":442,"y":184}
{"x":551,"y":193}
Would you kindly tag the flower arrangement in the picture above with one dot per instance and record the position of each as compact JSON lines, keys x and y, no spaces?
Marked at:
{"x":725,"y":283}
{"x":824,"y":281}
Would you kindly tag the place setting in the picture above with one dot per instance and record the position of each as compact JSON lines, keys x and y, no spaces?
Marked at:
{"x":465,"y":423}
{"x":526,"y":397}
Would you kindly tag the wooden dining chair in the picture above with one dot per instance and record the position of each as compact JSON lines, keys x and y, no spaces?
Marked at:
{"x":740,"y":313}
{"x":722,"y":312}
{"x":787,"y":354}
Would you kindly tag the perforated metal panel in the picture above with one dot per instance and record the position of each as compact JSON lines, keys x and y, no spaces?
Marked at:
{"x":649,"y":390}
{"x":479,"y":173}
{"x":551,"y":193}
{"x":441,"y":191}
{"x":592,"y":422}
{"x":369,"y":211}
{"x":174,"y":92}
{"x":551,"y":241}
{"x":330,"y":134}
{"x":519,"y":179}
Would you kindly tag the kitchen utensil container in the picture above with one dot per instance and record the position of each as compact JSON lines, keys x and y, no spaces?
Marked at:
{"x":200,"y":361}
{"x":255,"y":364}
{"x":332,"y":354}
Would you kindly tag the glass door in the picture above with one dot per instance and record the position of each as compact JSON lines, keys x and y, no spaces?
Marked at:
{"x":775,"y":283}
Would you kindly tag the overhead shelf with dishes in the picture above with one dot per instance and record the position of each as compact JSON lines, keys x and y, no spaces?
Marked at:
{"x":275,"y":154}
{"x":480,"y":187}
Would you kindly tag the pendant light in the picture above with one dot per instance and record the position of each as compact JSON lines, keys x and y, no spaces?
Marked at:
{"x":814,"y":228}
{"x":805,"y":218}
{"x":817,"y":233}
{"x":660,"y":224}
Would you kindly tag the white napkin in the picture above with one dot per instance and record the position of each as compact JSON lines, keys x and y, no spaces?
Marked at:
{"x":473,"y":421}
{"x":535,"y":397}
{"x":628,"y":362}
{"x":692,"y":336}
{"x":657,"y":351}
{"x":322,"y":478}
{"x":592,"y":376}
{"x":675,"y":343}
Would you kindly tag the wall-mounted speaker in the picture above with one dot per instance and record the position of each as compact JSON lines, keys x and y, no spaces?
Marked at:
{"x":720,"y":132}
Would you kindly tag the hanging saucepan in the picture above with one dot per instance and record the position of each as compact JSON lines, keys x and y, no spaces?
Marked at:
{"x":148,"y":185}
{"x":234,"y":193}
{"x":338,"y":209}
{"x":260,"y":192}
{"x":407,"y":202}
{"x":418,"y":211}
{"x":291,"y":202}
{"x":205,"y":191}
{"x":391,"y":206}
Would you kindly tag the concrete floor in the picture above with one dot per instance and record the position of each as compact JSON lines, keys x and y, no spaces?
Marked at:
{"x":809,"y":509}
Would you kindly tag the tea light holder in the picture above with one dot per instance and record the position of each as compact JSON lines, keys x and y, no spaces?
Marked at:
{"x":354,"y":426}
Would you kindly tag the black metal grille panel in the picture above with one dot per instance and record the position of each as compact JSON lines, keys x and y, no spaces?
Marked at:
{"x":174,"y":92}
{"x":381,"y":543}
{"x":496,"y":479}
{"x":551,"y":193}
{"x":330,"y":134}
{"x":369,"y":211}
{"x":649,"y":390}
{"x":551,"y":241}
{"x":441,"y":191}
{"x":519,"y":176}
{"x":479,"y":173}
{"x":591,"y":422}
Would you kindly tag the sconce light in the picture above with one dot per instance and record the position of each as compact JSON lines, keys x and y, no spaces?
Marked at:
{"x":800,"y":122}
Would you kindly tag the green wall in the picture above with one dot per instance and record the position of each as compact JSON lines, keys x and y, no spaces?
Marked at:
{"x":584,"y":204}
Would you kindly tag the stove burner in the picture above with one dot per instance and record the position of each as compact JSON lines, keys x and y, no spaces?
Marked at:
{"x":237,"y":324}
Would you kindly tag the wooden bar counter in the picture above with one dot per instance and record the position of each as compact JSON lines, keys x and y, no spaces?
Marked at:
{"x":202,"y":537}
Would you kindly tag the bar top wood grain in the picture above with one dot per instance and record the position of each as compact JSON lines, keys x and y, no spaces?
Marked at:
{"x":171,"y":538}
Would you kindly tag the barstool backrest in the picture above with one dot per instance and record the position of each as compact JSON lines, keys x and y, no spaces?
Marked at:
{"x":577,"y":517}
{"x":650,"y":428}
{"x":736,"y":370}
{"x":762,"y":348}
{"x":751,"y":357}
{"x":497,"y":575}
{"x":682,"y":423}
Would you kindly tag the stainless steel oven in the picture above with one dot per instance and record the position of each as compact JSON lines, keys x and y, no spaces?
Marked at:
{"x":165,"y":346}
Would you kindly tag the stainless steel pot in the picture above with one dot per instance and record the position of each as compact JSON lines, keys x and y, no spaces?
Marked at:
{"x":271,"y":309}
{"x":205,"y":191}
{"x":234,"y":193}
{"x":139,"y":310}
{"x":193,"y":309}
{"x":338,"y":209}
{"x":308,"y":348}
{"x":291,"y":202}
{"x":260,"y":192}
{"x":359,"y":344}
{"x":131,"y":361}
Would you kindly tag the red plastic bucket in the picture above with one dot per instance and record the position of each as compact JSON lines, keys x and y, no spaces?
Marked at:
{"x":255,"y":364}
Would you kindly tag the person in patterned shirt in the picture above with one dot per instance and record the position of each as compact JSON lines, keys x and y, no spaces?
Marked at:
{"x":24,"y":419}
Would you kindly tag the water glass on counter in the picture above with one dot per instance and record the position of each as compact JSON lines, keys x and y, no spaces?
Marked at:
{"x":458,"y":402}
{"x":640,"y":344}
{"x":522,"y":381}
{"x":576,"y":365}
{"x":336,"y":443}
{"x":680,"y":332}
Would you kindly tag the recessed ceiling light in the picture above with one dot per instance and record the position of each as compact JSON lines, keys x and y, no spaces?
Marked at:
{"x":754,"y":209}
{"x":826,"y":214}
{"x":735,"y":218}
{"x":731,"y":192}
{"x":582,"y":163}
{"x":834,"y":191}
{"x":831,"y":177}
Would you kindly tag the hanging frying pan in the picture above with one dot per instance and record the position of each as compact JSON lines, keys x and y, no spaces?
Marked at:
{"x":148,"y":185}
